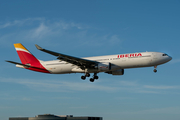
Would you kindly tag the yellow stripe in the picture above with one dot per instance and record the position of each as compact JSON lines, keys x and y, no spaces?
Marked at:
{"x":19,"y":45}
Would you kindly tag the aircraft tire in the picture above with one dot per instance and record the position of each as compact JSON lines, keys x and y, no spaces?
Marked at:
{"x":83,"y":77}
{"x":96,"y":77}
{"x":92,"y":80}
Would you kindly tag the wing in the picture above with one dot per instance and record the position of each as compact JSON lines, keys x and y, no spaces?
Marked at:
{"x":82,"y":63}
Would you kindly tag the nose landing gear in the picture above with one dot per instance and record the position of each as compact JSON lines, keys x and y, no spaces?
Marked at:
{"x":155,"y":69}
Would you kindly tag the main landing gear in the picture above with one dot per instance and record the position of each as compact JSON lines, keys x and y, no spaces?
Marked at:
{"x":88,"y":75}
{"x":155,"y":69}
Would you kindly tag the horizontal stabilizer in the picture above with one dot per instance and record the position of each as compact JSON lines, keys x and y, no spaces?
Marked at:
{"x":27,"y":66}
{"x":24,"y":65}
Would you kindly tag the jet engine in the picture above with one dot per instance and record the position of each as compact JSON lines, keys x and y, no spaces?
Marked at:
{"x":116,"y":72}
{"x":105,"y":66}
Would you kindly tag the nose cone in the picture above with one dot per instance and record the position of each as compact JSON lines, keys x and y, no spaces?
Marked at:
{"x":167,"y":59}
{"x":170,"y":58}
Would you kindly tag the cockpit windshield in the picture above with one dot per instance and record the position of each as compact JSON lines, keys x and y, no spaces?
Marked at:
{"x":164,"y":55}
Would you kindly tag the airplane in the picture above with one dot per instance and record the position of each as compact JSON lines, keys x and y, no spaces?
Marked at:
{"x":111,"y":64}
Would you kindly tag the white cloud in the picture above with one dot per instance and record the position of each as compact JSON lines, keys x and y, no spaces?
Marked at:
{"x":59,"y":86}
{"x":20,"y":22}
{"x":5,"y":25}
{"x":161,"y":87}
{"x":65,"y":86}
{"x":41,"y":31}
{"x":26,"y":99}
{"x":175,"y":61}
{"x":114,"y":39}
{"x":168,"y":110}
{"x":128,"y":83}
{"x":148,"y":91}
{"x":33,"y":29}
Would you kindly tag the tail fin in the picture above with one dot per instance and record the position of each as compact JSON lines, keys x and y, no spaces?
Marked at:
{"x":25,"y":56}
{"x":28,"y":60}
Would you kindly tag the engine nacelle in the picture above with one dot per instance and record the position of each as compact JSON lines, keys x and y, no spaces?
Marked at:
{"x":117,"y":72}
{"x":105,"y":66}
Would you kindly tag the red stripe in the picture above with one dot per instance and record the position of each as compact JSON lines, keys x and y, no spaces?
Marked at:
{"x":39,"y":70}
{"x":27,"y":58}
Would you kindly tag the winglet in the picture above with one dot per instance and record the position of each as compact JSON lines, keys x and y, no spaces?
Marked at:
{"x":38,"y":47}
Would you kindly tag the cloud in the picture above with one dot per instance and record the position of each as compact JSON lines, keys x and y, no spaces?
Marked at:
{"x":71,"y":86}
{"x":28,"y":21}
{"x":5,"y":25}
{"x":114,"y":39}
{"x":15,"y":98}
{"x":49,"y":31}
{"x":26,"y":99}
{"x":59,"y":86}
{"x":41,"y":31}
{"x":128,"y":83}
{"x":168,"y":110}
{"x":161,"y":87}
{"x":35,"y":28}
{"x":173,"y":61}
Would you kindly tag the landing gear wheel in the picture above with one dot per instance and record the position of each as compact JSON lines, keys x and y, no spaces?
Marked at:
{"x":96,"y":77}
{"x":155,"y":69}
{"x":83,"y":77}
{"x":92,"y":80}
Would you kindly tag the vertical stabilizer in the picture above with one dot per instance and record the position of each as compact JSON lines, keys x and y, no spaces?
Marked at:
{"x":25,"y":56}
{"x":28,"y":59}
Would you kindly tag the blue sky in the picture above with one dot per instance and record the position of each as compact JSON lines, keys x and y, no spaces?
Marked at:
{"x":91,"y":28}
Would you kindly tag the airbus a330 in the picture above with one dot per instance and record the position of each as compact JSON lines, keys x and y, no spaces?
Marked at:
{"x":111,"y":64}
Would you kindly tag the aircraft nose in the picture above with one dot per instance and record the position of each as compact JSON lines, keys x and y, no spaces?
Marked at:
{"x":170,"y":58}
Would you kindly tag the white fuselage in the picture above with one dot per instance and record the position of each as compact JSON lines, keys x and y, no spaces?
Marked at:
{"x":120,"y":61}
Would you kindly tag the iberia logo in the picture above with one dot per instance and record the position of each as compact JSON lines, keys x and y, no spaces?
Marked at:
{"x":129,"y":55}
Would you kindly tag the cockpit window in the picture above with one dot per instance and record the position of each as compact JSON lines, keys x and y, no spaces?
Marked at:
{"x":164,"y":55}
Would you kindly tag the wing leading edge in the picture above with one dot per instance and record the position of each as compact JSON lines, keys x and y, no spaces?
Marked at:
{"x":82,"y":63}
